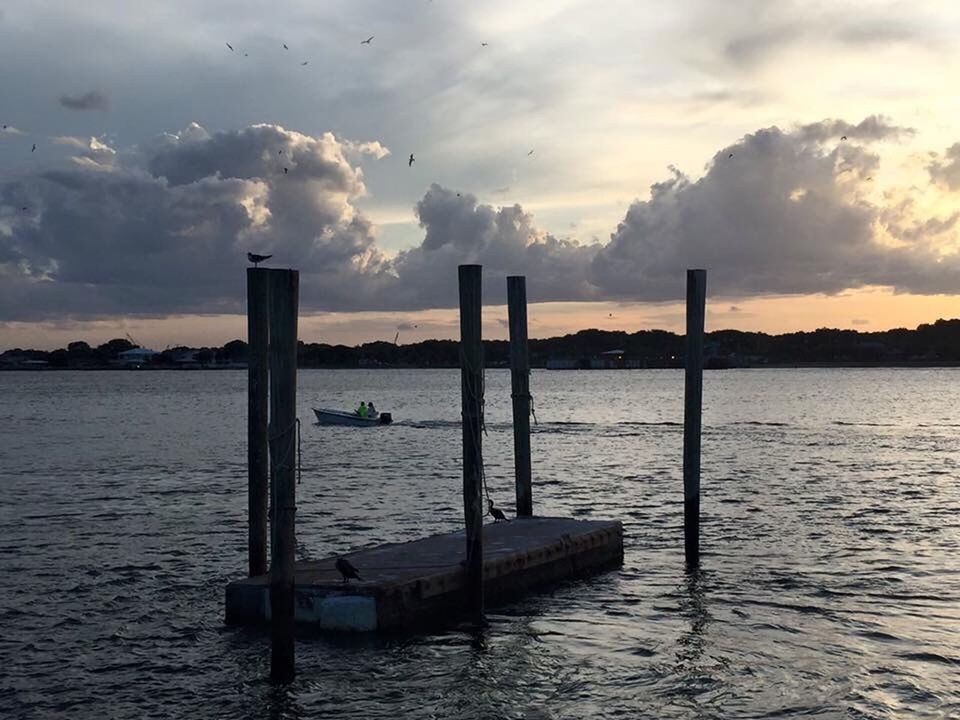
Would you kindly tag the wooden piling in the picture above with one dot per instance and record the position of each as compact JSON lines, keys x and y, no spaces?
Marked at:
{"x":471,"y":397}
{"x":284,"y":294}
{"x":520,"y":392}
{"x":692,"y":407}
{"x":257,"y":413}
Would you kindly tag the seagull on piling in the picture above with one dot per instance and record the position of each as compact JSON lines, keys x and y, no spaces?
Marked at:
{"x":257,"y":259}
{"x":347,"y":570}
{"x":411,"y":160}
{"x":496,"y":512}
{"x":367,"y":41}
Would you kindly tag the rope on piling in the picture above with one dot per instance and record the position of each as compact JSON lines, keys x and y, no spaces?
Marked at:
{"x":476,"y":395}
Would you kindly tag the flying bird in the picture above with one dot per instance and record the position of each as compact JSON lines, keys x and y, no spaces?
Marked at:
{"x":257,"y":259}
{"x":844,"y":137}
{"x":284,"y":171}
{"x":229,"y":46}
{"x":730,"y":155}
{"x":279,"y":152}
{"x":530,"y":153}
{"x":34,"y":148}
{"x":285,"y":46}
{"x":484,"y":44}
{"x":411,"y":160}
{"x":347,"y":570}
{"x":367,"y":41}
{"x":305,"y":62}
{"x":496,"y":512}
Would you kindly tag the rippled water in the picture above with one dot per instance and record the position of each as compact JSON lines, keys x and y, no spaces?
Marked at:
{"x":830,"y":584}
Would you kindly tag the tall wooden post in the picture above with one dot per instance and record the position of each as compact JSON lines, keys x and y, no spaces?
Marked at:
{"x":471,"y":398}
{"x":284,"y":294}
{"x":257,"y":453}
{"x":692,"y":407}
{"x":520,"y":391}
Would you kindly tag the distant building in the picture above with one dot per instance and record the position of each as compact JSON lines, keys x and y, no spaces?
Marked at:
{"x":135,"y":357}
{"x":562,"y":363}
{"x":609,"y":360}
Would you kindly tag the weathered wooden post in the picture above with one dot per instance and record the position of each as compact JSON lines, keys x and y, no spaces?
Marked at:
{"x":520,"y":391}
{"x":471,"y":398}
{"x":257,"y":409}
{"x":284,"y":294}
{"x":692,"y":407}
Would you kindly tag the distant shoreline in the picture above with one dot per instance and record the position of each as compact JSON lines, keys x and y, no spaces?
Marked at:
{"x":764,"y":366}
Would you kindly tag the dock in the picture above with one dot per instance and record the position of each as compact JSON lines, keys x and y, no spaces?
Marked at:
{"x":423,"y":583}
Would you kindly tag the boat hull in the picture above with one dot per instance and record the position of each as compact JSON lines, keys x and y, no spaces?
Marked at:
{"x":338,"y":417}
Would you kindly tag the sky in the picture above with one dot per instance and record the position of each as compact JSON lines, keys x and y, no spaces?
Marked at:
{"x":807,"y":154}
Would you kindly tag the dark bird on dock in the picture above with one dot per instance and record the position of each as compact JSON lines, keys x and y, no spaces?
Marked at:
{"x":411,"y":160}
{"x":496,"y":512}
{"x":34,"y":148}
{"x":229,"y":46}
{"x":367,"y":41}
{"x":257,"y":259}
{"x":347,"y":570}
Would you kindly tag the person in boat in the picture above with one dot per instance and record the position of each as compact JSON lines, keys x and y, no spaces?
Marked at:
{"x":371,"y":410}
{"x":362,"y":410}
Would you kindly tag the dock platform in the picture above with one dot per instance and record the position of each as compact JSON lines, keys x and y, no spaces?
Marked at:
{"x":420,"y":583}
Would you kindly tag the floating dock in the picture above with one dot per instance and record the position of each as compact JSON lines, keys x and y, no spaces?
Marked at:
{"x":421,"y":583}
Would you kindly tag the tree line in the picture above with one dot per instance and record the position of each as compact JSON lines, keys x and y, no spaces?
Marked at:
{"x":938,"y":342}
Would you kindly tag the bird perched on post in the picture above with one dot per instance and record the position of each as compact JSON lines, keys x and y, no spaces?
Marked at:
{"x":495,"y":511}
{"x":347,"y":570}
{"x":257,"y":259}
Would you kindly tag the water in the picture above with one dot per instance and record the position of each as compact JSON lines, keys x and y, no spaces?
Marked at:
{"x":830,"y":585}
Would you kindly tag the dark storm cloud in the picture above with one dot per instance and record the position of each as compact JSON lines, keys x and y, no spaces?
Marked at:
{"x":945,"y":169}
{"x":93,"y":100}
{"x":164,"y":228}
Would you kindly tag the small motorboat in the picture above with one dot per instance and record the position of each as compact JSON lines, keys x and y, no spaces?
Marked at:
{"x":339,"y":417}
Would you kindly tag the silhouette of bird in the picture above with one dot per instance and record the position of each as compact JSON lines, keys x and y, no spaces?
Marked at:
{"x":484,"y":44}
{"x":367,"y":41}
{"x":279,"y":152}
{"x":411,"y":160}
{"x":496,"y":512}
{"x":347,"y":570}
{"x":305,"y":62}
{"x":229,"y":46}
{"x":730,"y":155}
{"x":285,"y":46}
{"x":843,"y":137}
{"x":34,"y":148}
{"x":530,"y":153}
{"x":284,"y":171}
{"x":257,"y":259}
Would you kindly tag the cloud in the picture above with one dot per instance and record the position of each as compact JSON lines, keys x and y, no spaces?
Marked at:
{"x":784,"y":215}
{"x":945,"y":169}
{"x":93,"y":100}
{"x":870,"y":129}
{"x":163,"y":228}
